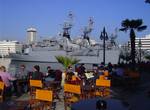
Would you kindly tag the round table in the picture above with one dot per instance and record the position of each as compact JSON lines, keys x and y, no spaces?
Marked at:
{"x":90,"y":104}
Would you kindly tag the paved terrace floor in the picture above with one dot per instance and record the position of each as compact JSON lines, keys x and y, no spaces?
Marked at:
{"x":135,"y":98}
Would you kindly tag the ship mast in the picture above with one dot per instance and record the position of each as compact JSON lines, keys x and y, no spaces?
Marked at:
{"x":113,"y":37}
{"x":67,"y":26}
{"x":87,"y":30}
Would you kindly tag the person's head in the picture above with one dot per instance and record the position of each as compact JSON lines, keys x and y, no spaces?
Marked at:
{"x":101,"y":105}
{"x":36,"y":68}
{"x":101,"y":67}
{"x":48,"y":68}
{"x":82,"y":64}
{"x":3,"y":68}
{"x":70,"y":68}
{"x":102,"y":63}
{"x":22,"y":66}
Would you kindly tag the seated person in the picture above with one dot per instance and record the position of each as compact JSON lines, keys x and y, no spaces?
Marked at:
{"x":100,"y":70}
{"x":58,"y":75}
{"x":119,"y":71}
{"x":75,"y":79}
{"x":22,"y":74}
{"x":36,"y":74}
{"x":6,"y":78}
{"x":72,"y":78}
{"x":81,"y":71}
{"x":50,"y":75}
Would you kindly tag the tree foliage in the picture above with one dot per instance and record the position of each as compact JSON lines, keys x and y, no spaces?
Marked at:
{"x":66,"y":61}
{"x":147,"y":1}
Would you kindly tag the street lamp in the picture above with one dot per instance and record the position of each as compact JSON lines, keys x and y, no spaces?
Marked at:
{"x":104,"y":37}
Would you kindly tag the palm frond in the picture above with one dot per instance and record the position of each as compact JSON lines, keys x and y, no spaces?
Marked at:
{"x":123,"y":29}
{"x":66,"y":61}
{"x":61,"y":60}
{"x":141,"y":28}
{"x":135,"y":23}
{"x":147,"y":1}
{"x":125,"y":23}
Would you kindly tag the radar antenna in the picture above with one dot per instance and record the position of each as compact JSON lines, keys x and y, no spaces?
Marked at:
{"x":88,"y":29}
{"x":67,"y":26}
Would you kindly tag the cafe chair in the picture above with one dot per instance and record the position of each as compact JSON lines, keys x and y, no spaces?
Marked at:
{"x":106,"y":73}
{"x":102,"y":87}
{"x":43,"y":100}
{"x":72,"y":94}
{"x":101,"y":77}
{"x":35,"y":84}
{"x":1,"y":91}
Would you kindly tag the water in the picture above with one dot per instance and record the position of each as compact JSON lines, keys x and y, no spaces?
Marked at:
{"x":13,"y":66}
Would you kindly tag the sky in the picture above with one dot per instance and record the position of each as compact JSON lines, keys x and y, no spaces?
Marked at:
{"x":48,"y":15}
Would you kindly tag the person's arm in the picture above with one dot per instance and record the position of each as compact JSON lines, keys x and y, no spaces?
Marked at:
{"x":10,"y":77}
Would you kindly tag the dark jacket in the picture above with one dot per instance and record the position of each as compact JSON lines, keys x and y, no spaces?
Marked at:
{"x":37,"y":75}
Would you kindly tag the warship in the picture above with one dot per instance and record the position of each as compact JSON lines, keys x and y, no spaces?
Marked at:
{"x":84,"y":48}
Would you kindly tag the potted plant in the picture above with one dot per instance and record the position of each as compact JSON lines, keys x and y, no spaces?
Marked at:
{"x":66,"y":62}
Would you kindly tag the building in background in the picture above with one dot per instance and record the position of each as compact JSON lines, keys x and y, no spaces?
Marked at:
{"x":7,"y":47}
{"x":31,"y":35}
{"x":143,"y":42}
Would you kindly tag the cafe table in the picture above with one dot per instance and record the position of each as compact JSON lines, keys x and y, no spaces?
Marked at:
{"x":90,"y":104}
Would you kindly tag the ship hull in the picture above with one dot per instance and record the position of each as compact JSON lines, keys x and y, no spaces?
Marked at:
{"x":49,"y":56}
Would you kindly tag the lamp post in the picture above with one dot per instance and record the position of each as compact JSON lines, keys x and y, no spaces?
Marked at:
{"x":140,"y":45}
{"x":104,"y":37}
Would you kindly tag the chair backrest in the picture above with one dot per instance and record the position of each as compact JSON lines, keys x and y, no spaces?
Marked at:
{"x":101,"y":77}
{"x":72,"y":88}
{"x":44,"y":95}
{"x":106,"y":73}
{"x":36,"y":83}
{"x":2,"y":85}
{"x":73,"y":78}
{"x":103,"y":82}
{"x":1,"y":90}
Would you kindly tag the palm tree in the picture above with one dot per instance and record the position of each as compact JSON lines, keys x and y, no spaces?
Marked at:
{"x":66,"y":61}
{"x":132,"y":25}
{"x":147,"y":1}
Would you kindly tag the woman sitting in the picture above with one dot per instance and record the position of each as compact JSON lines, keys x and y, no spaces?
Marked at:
{"x":6,"y":78}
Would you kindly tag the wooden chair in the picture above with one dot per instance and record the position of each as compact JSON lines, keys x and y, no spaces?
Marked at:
{"x":72,"y":93}
{"x":101,"y":77}
{"x":103,"y":87}
{"x":1,"y":91}
{"x":106,"y":73}
{"x":35,"y":84}
{"x":43,"y":100}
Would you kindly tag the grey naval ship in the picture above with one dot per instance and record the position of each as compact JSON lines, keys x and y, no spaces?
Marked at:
{"x":85,"y":49}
